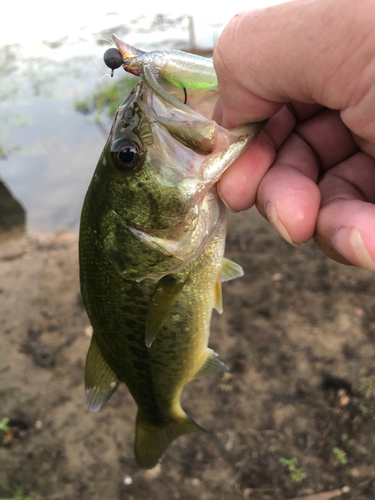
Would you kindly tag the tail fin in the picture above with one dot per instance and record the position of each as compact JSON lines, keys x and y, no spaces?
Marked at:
{"x":151,"y":441}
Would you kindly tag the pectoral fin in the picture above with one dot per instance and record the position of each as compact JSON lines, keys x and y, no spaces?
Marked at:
{"x":230,"y":270}
{"x":211,"y":365}
{"x":218,"y":296}
{"x":162,"y":300}
{"x":100,"y":380}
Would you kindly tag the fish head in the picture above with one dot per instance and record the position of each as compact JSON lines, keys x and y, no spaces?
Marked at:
{"x":159,"y":171}
{"x":149,"y":174}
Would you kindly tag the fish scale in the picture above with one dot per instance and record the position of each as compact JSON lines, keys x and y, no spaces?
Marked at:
{"x":151,"y":247}
{"x":163,"y":369}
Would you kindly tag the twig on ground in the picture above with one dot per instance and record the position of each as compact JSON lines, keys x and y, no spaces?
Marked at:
{"x":326,"y":495}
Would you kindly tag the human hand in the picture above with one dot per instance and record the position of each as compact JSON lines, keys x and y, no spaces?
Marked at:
{"x":311,"y":66}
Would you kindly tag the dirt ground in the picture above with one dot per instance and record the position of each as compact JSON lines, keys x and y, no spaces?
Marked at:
{"x":294,"y":417}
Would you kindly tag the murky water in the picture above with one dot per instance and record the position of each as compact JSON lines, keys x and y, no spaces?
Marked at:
{"x":48,"y":150}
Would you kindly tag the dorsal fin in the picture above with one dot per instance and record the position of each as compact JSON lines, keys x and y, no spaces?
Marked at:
{"x":211,"y":365}
{"x":100,"y":380}
{"x":218,"y":295}
{"x":162,"y":300}
{"x":230,"y":270}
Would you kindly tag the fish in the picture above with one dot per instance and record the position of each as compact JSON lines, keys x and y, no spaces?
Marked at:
{"x":151,"y":243}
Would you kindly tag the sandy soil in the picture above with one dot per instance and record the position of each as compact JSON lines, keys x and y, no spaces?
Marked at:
{"x":294,"y":417}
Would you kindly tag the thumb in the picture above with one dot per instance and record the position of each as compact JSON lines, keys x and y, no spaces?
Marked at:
{"x":308,"y":51}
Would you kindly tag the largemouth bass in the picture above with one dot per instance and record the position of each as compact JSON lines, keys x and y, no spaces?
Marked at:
{"x":152,"y":240}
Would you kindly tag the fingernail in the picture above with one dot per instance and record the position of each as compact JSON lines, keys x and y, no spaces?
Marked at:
{"x":275,"y":221}
{"x":347,"y":241}
{"x":225,"y":203}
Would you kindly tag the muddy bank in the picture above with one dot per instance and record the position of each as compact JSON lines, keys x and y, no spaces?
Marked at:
{"x":294,"y":417}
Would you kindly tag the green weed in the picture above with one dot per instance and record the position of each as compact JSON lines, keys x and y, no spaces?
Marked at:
{"x":340,"y":455}
{"x":4,"y":427}
{"x":108,"y":98}
{"x":18,"y":495}
{"x":296,"y":474}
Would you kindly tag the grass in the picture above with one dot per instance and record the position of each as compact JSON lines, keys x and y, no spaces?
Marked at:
{"x":296,"y":474}
{"x":106,"y":99}
{"x":3,"y":155}
{"x":340,"y":455}
{"x":4,"y":427}
{"x":18,"y":495}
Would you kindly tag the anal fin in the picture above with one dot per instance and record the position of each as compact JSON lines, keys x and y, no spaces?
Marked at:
{"x":100,"y":380}
{"x":230,"y":270}
{"x":162,"y":300}
{"x":211,"y":365}
{"x":218,"y":296}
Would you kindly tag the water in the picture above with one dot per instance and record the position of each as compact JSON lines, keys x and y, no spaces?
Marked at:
{"x":51,"y":149}
{"x":48,"y":149}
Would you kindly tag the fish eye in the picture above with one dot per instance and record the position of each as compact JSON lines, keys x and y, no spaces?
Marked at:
{"x":126,"y":155}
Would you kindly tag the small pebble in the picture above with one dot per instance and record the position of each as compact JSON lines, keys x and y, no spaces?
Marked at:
{"x":38,"y":424}
{"x":128,"y":480}
{"x":88,"y":331}
{"x":359,"y":312}
{"x":343,"y":398}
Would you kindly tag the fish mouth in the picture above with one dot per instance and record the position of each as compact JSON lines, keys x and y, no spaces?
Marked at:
{"x":141,"y":63}
{"x":186,"y":115}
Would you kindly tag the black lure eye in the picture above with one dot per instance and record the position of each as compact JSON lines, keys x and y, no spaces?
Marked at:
{"x":126,"y":156}
{"x":113,"y":59}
